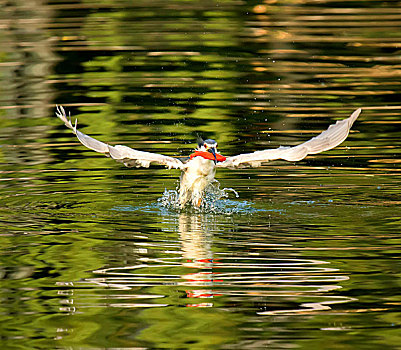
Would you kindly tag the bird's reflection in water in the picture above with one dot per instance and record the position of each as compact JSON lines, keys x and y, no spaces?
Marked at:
{"x":196,"y":239}
{"x":213,"y":259}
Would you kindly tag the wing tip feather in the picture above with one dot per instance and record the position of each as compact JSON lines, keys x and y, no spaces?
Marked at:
{"x":337,"y":135}
{"x":128,"y":156}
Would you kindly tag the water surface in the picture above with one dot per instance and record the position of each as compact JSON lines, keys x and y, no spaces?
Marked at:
{"x":306,"y":256}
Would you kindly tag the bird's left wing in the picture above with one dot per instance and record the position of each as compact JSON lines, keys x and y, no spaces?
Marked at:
{"x":130,"y":157}
{"x":328,"y":139}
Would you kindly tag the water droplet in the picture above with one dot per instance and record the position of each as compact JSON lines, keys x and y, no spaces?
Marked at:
{"x":215,"y":201}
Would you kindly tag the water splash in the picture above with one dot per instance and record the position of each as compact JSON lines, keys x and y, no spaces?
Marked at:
{"x":216,"y":201}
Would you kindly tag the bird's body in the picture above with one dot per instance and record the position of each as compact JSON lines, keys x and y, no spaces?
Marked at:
{"x":198,"y":173}
{"x":199,"y":169}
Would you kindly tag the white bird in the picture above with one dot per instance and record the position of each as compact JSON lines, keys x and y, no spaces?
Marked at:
{"x":198,"y":170}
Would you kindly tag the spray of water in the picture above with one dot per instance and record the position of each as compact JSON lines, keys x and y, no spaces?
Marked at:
{"x":215,"y":200}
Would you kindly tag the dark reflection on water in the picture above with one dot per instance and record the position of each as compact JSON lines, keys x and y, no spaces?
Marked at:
{"x":93,"y":257}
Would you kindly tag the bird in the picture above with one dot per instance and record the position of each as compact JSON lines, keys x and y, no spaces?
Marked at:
{"x":199,"y":168}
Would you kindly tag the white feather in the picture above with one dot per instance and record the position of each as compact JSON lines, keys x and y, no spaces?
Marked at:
{"x":129,"y":156}
{"x":328,"y":139}
{"x":198,"y":172}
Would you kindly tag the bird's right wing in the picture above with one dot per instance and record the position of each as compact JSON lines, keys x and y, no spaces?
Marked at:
{"x":130,"y":157}
{"x":328,"y":139}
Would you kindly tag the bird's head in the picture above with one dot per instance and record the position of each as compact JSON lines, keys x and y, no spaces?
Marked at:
{"x":208,"y":145}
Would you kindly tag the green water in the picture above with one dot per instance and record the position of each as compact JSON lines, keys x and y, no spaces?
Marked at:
{"x":305,"y":257}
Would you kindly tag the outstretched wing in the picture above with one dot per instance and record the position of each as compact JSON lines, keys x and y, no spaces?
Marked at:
{"x":130,"y":157}
{"x":328,"y":139}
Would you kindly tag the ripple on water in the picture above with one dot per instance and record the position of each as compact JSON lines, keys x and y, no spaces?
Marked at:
{"x":238,"y":277}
